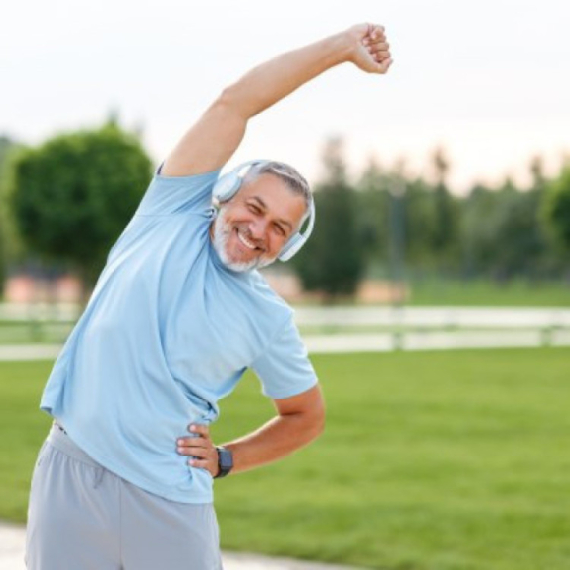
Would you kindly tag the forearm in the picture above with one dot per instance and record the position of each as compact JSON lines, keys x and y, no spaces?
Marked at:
{"x":210,"y":142}
{"x":273,"y":80}
{"x":300,"y":419}
{"x":278,"y":438}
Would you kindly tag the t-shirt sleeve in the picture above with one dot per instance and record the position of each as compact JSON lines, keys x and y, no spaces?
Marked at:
{"x":284,"y":368}
{"x":176,"y":194}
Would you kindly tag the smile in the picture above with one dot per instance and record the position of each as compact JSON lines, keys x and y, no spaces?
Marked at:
{"x":245,"y":241}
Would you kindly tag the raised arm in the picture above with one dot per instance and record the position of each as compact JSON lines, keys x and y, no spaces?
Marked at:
{"x":209,"y":143}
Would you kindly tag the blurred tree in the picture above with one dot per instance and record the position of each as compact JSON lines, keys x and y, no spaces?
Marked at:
{"x":446,"y":213}
{"x":8,"y":239}
{"x":476,"y":229}
{"x":517,"y":237}
{"x":548,"y":263}
{"x":556,"y":207}
{"x":73,"y":196}
{"x":420,"y":224}
{"x":536,"y":168}
{"x":5,"y":145}
{"x":332,"y":260}
{"x":372,"y":204}
{"x":500,"y":233}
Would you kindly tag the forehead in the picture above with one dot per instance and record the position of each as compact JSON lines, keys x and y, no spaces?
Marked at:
{"x":278,"y":199}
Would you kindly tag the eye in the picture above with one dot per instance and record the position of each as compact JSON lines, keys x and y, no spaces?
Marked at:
{"x":254,"y":209}
{"x":280,"y":230}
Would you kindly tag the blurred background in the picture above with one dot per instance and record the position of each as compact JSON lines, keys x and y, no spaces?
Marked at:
{"x":448,"y":176}
{"x":443,"y":202}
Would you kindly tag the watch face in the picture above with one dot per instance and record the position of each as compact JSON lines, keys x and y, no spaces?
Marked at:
{"x":225,"y":459}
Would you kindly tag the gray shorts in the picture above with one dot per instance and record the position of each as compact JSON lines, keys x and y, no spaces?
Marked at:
{"x":83,"y":517}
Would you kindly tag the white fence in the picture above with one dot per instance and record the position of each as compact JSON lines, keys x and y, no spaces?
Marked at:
{"x":435,"y":317}
{"x":356,"y":329}
{"x":433,"y":328}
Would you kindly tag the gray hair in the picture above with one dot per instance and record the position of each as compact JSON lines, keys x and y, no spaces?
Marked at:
{"x":295,"y":181}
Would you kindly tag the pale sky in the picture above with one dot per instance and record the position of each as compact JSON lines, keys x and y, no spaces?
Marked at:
{"x":489,"y":80}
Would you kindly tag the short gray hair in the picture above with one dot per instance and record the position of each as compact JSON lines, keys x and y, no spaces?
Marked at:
{"x":295,"y":181}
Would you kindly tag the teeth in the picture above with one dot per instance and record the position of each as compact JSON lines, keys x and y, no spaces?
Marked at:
{"x":245,"y":242}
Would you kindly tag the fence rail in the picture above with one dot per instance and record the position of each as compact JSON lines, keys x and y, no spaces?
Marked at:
{"x":335,"y":329}
{"x":435,"y":317}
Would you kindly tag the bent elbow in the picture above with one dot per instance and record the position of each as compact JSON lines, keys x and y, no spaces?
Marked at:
{"x":232,"y":101}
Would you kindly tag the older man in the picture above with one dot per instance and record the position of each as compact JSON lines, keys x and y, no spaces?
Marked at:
{"x":177,"y":315}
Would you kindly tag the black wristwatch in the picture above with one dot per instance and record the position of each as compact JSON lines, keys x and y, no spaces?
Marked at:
{"x":225,"y":462}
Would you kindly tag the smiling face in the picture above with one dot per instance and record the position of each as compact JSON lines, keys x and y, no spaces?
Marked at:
{"x":252,"y":227}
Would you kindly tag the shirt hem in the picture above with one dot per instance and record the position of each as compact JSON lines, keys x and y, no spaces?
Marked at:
{"x":144,"y":485}
{"x":290,"y":394}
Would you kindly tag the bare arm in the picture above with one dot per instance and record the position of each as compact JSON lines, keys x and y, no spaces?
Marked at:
{"x":300,"y":420}
{"x":210,"y":142}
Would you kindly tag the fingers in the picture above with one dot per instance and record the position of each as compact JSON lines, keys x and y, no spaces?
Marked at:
{"x":378,"y":48}
{"x":200,"y":448}
{"x":198,"y":444}
{"x":375,"y":33}
{"x":199,"y":429}
{"x":202,"y":464}
{"x":194,"y":446}
{"x":380,"y":52}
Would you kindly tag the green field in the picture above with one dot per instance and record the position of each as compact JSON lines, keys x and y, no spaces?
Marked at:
{"x":489,"y":294}
{"x":476,"y":293}
{"x":23,"y":332}
{"x":430,"y":461}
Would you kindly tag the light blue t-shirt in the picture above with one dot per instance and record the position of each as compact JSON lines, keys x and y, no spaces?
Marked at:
{"x":168,"y":331}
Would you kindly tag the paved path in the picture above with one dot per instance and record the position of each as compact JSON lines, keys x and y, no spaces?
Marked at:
{"x":12,"y":540}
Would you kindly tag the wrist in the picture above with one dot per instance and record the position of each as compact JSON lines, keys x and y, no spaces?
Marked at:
{"x":343,"y":47}
{"x":225,"y":462}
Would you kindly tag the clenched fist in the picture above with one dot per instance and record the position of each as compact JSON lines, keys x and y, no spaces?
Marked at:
{"x":370,"y":49}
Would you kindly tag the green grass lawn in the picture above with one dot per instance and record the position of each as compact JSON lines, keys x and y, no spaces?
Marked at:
{"x":489,"y":294}
{"x":430,"y":461}
{"x":23,"y":332}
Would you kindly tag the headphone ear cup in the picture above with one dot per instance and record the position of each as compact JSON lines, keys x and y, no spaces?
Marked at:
{"x":298,"y":240}
{"x":226,"y":186}
{"x":294,"y":244}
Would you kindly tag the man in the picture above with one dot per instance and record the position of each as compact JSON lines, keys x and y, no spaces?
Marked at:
{"x":177,"y":315}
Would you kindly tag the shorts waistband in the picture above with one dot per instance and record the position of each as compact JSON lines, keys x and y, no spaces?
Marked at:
{"x":62,"y":442}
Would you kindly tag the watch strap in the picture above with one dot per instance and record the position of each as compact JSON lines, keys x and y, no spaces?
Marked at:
{"x":225,"y":462}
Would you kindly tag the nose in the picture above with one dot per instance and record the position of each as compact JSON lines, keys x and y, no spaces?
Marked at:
{"x":258,"y":228}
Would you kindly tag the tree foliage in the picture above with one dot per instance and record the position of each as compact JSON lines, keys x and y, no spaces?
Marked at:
{"x":73,"y":196}
{"x":557,"y":207}
{"x":332,"y":261}
{"x":9,"y":245}
{"x":445,"y":227}
{"x":492,"y":232}
{"x":372,"y":205}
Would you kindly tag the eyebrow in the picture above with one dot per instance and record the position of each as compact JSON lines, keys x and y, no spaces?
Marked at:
{"x":263,"y":206}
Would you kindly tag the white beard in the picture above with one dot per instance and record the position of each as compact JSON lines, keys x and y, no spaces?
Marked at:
{"x":222,"y":232}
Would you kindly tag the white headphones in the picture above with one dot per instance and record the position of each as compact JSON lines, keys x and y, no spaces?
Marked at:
{"x":227,"y":186}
